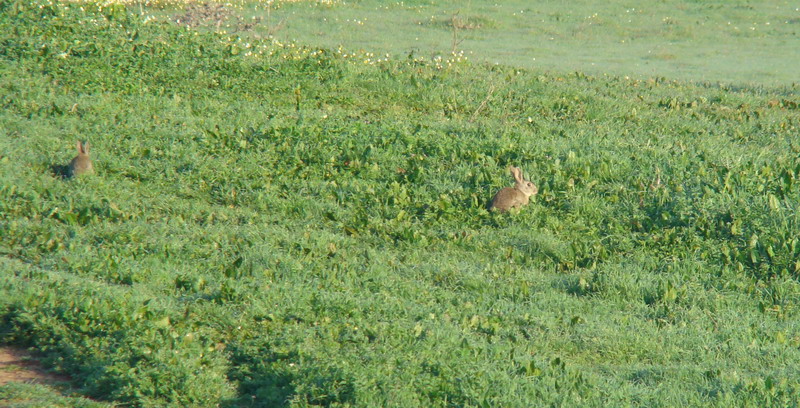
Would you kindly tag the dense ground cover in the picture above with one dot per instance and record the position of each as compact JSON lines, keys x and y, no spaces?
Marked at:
{"x":278,"y":225}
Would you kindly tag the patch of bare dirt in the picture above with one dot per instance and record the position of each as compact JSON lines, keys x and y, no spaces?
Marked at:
{"x":208,"y":14}
{"x":17,"y":365}
{"x":204,"y":14}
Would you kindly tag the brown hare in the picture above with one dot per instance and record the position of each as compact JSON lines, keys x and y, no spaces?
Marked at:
{"x":81,"y":164}
{"x":511,"y":197}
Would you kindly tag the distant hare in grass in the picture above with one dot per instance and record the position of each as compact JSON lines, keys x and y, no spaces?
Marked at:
{"x":81,"y":164}
{"x":516,"y":196}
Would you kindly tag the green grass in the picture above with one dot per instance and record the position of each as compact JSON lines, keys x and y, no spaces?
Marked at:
{"x":283,"y":226}
{"x":715,"y":41}
{"x":19,"y":395}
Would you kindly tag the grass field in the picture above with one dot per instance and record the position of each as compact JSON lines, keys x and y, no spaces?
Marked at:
{"x":278,"y":225}
{"x":715,"y":41}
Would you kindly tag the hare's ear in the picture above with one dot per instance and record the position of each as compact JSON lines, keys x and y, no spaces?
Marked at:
{"x":517,"y":174}
{"x":85,"y":147}
{"x":79,"y":146}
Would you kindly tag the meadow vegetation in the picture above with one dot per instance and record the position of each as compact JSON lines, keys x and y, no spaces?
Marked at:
{"x":272,"y":224}
{"x":733,"y":42}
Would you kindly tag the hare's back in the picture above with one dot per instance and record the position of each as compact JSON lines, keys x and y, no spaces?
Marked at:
{"x":508,"y":198}
{"x":80,"y":165}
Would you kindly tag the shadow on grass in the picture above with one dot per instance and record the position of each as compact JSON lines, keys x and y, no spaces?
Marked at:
{"x":60,"y":171}
{"x":263,"y":382}
{"x":277,"y":379}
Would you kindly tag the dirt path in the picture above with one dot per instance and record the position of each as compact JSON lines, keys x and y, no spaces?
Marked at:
{"x":18,"y":365}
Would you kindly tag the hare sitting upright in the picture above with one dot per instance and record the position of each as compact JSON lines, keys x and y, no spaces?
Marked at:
{"x":81,"y":164}
{"x":517,"y":196}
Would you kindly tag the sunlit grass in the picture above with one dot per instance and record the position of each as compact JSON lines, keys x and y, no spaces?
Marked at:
{"x":707,"y":41}
{"x":273,"y":223}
